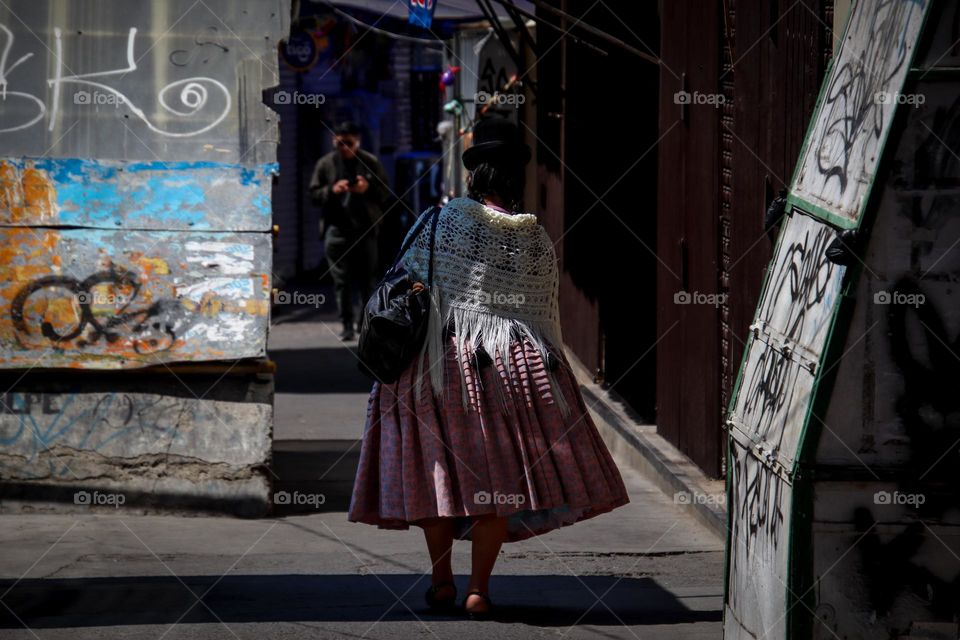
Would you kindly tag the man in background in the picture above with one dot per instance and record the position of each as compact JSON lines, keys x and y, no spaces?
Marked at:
{"x":350,"y":186}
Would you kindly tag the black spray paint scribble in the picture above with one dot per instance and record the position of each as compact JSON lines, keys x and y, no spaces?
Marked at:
{"x":929,"y":409}
{"x":850,"y":105}
{"x":150,"y":329}
{"x":800,"y":285}
{"x":805,"y":275}
{"x":759,"y":498}
{"x":208,"y":40}
{"x":768,"y":388}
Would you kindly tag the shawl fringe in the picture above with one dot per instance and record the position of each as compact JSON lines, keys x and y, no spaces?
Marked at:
{"x":474,"y":328}
{"x":482,"y":255}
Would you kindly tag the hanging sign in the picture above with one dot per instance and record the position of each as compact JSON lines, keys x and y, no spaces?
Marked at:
{"x":421,"y":12}
{"x":299,"y":51}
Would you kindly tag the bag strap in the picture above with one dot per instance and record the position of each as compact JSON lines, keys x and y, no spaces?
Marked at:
{"x":433,"y":237}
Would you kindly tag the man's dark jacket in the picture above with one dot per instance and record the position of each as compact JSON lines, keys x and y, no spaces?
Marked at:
{"x":328,"y":170}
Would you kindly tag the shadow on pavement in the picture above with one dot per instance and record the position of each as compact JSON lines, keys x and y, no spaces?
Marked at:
{"x":319,"y":370}
{"x":313,"y":467}
{"x":543,"y":600}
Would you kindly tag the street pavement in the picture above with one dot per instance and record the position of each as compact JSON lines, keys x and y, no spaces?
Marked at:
{"x":646,"y":570}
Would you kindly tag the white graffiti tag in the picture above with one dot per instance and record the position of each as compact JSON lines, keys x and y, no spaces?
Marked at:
{"x":5,"y":93}
{"x":181,"y":98}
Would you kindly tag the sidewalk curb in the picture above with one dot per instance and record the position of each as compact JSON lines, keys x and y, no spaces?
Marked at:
{"x":643,"y":449}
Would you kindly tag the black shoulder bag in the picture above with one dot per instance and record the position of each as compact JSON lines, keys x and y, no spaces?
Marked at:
{"x":393,"y":325}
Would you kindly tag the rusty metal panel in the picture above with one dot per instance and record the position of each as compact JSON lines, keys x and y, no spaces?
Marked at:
{"x":135,"y":180}
{"x":93,"y":298}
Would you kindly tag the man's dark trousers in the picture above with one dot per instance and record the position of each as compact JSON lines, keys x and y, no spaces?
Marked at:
{"x":351,"y":259}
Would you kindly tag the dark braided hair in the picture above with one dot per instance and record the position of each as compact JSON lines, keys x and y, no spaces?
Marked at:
{"x":503,"y":178}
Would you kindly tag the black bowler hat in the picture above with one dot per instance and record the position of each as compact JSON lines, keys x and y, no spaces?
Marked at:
{"x":496,"y":139}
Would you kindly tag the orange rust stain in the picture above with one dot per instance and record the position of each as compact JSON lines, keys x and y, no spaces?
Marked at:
{"x":27,"y":196}
{"x":211,"y":305}
{"x":26,"y":254}
{"x":256,"y":307}
{"x":11,"y":192}
{"x":39,"y":194}
{"x":154,"y":266}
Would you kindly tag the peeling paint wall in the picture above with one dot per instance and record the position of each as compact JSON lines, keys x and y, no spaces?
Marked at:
{"x":137,"y":161}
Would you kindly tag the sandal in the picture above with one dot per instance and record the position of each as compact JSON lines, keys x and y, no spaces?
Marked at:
{"x":440,"y":603}
{"x":478,"y":615}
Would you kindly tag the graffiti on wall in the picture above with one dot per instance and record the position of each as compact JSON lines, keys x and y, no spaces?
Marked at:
{"x":772,"y":409}
{"x":898,"y":395}
{"x":856,"y":108}
{"x":109,"y":310}
{"x":155,"y":81}
{"x":92,"y":298}
{"x":184,"y":98}
{"x":93,"y":266}
{"x":757,"y":572}
{"x":70,"y":435}
{"x":32,"y":423}
{"x":789,"y":334}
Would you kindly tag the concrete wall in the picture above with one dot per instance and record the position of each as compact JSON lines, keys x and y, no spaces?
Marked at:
{"x":190,"y":444}
{"x":888,"y":452}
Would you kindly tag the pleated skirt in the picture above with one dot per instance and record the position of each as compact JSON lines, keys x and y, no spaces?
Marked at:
{"x":426,"y":456}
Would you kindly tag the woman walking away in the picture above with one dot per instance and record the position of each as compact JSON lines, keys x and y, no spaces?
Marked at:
{"x":485,"y":437}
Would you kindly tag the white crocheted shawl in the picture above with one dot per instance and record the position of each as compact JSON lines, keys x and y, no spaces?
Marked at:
{"x":495,"y":280}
